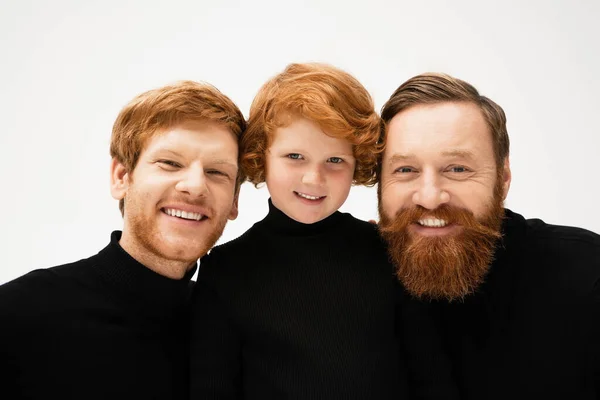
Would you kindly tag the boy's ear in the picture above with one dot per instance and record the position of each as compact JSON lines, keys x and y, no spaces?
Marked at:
{"x":119,"y":180}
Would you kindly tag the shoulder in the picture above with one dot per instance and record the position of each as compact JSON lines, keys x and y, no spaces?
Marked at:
{"x":42,"y":283}
{"x":568,"y":253}
{"x":567,"y":240}
{"x":356,"y":223}
{"x":227,"y":259}
{"x":363,"y":232}
{"x":235,"y":248}
{"x":347,"y":222}
{"x":37,"y":292}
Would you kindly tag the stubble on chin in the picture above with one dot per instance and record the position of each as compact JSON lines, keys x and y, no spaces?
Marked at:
{"x":171,"y":257}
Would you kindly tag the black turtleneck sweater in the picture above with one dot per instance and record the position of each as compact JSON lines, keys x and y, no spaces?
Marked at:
{"x":532,"y":330}
{"x":297,"y":311}
{"x":101,"y":328}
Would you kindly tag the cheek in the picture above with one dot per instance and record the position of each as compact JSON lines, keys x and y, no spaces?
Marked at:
{"x":222,"y":190}
{"x":278,"y":177}
{"x":341,"y":179}
{"x":474,"y":198}
{"x":394,"y":196}
{"x":223,"y":200}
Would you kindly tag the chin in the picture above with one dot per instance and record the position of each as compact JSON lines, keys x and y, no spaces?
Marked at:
{"x":185,"y":255}
{"x":184,"y":250}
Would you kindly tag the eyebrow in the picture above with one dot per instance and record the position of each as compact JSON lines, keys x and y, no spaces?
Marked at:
{"x":458,"y":154}
{"x":450,"y":153}
{"x":172,"y":152}
{"x":224,"y":162}
{"x":218,"y":161}
{"x":400,"y":157}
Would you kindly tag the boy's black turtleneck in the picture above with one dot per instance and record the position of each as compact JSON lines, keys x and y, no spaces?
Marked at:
{"x":105,"y":327}
{"x":297,"y":311}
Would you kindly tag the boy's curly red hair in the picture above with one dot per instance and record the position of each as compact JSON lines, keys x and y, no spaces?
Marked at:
{"x":330,"y":97}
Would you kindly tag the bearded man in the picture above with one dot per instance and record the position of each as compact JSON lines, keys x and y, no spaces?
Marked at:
{"x":516,"y":301}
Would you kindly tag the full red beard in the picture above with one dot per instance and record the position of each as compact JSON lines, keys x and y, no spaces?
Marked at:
{"x":443,"y":267}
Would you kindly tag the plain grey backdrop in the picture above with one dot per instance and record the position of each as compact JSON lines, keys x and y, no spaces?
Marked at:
{"x":67,"y":68}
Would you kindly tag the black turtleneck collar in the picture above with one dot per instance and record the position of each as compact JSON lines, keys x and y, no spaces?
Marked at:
{"x":513,"y":230}
{"x":278,"y":222}
{"x":128,"y":277}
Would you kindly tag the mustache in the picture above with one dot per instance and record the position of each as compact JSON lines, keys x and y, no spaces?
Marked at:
{"x":451,"y":214}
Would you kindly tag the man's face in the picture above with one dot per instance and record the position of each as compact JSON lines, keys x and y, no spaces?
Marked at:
{"x":180,"y":194}
{"x":441,"y":198}
{"x":308,"y":173}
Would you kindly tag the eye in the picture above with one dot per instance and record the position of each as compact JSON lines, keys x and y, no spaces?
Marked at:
{"x":335,"y":160}
{"x":295,"y":156}
{"x":169,"y":164}
{"x":404,"y":170}
{"x":217,"y":172}
{"x":458,"y":169}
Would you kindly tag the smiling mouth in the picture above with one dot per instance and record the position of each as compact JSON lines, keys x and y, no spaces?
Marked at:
{"x":308,"y":196}
{"x":190,"y":216}
{"x":433,"y":222}
{"x":435,"y":227}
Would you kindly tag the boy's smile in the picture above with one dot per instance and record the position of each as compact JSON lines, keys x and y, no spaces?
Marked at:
{"x":311,"y":199}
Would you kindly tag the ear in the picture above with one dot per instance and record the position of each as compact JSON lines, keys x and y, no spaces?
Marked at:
{"x":234,"y":208}
{"x":119,"y":179}
{"x":506,"y":178}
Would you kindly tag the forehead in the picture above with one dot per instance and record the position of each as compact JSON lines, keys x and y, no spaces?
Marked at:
{"x":194,"y":137}
{"x":302,"y":133}
{"x":439,"y":128}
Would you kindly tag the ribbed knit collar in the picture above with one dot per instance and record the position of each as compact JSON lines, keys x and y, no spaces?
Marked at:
{"x":499,"y":285}
{"x":513,"y":233}
{"x":126,"y":276}
{"x":278,"y":222}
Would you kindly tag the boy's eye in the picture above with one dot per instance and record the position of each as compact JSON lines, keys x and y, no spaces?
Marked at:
{"x":294,"y":156}
{"x":335,"y":160}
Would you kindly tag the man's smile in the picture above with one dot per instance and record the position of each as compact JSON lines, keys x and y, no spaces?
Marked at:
{"x":183,"y":214}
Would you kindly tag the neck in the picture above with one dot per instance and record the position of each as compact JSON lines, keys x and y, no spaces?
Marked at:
{"x":173,"y":269}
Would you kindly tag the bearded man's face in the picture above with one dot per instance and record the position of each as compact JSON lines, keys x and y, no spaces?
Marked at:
{"x":441,"y":198}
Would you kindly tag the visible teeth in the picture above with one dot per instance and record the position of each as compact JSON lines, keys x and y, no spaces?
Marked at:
{"x":306,"y":196}
{"x":183,"y":214}
{"x":433,"y":222}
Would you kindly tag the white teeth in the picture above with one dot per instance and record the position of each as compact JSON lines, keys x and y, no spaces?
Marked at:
{"x":183,"y":214}
{"x":306,"y":196}
{"x":433,"y":222}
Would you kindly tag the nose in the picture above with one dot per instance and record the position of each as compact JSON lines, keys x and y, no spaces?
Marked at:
{"x":430,"y":194}
{"x":313,"y":176}
{"x":193,"y":182}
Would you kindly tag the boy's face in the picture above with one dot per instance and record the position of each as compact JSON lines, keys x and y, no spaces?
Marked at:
{"x":308,"y":173}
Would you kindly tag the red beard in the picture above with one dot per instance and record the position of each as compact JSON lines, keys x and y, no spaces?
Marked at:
{"x":443,"y":267}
